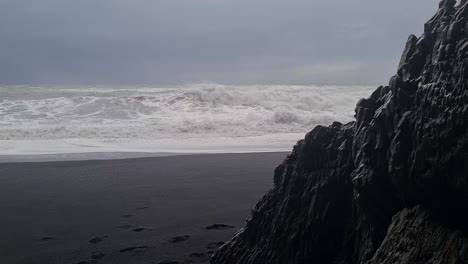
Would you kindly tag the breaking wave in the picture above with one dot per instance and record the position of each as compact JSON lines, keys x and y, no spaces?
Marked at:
{"x":155,"y":113}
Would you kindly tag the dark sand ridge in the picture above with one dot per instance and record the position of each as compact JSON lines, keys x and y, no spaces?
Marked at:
{"x":144,"y":210}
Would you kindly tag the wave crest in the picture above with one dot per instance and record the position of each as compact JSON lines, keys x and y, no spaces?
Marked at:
{"x":207,"y":110}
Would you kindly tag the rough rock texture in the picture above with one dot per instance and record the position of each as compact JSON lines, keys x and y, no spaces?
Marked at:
{"x":415,"y":237}
{"x":391,"y":187}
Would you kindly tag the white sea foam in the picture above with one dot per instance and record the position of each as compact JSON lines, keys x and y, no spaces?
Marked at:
{"x":191,"y":118}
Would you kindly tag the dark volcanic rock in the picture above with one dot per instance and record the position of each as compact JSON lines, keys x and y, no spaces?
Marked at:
{"x":391,"y":187}
{"x":415,"y":237}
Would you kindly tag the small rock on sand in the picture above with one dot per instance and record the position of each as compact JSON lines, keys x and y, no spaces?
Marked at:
{"x":219,"y":227}
{"x":139,"y":229}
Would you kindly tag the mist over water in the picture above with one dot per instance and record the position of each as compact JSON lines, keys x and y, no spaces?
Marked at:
{"x":190,"y":118}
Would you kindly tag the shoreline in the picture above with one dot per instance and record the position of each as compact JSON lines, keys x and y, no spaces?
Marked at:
{"x":102,"y":156}
{"x":76,"y":148}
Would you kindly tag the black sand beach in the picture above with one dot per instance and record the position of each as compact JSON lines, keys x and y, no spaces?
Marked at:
{"x":146,"y":210}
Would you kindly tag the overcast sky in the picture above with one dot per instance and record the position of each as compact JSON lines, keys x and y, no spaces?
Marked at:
{"x":181,"y":41}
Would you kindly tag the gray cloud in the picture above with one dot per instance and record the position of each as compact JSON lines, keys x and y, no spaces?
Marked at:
{"x":177,"y":41}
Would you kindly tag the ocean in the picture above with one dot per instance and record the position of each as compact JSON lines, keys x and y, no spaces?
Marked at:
{"x":194,"y":118}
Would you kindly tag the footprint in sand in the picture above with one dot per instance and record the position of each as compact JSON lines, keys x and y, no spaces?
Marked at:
{"x":194,"y":258}
{"x":219,"y":227}
{"x":214,"y":245}
{"x":131,"y":249}
{"x":95,"y":256}
{"x":178,"y":239}
{"x":140,"y":229}
{"x":96,"y":240}
{"x":48,"y":238}
{"x":201,"y":257}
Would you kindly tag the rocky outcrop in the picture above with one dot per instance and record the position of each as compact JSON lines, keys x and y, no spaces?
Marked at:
{"x":391,"y":187}
{"x":415,"y":237}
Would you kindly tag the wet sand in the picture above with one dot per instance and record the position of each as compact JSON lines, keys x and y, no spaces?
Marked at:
{"x":146,"y":210}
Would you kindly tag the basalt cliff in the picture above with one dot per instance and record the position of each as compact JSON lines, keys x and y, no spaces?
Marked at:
{"x":391,"y":187}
